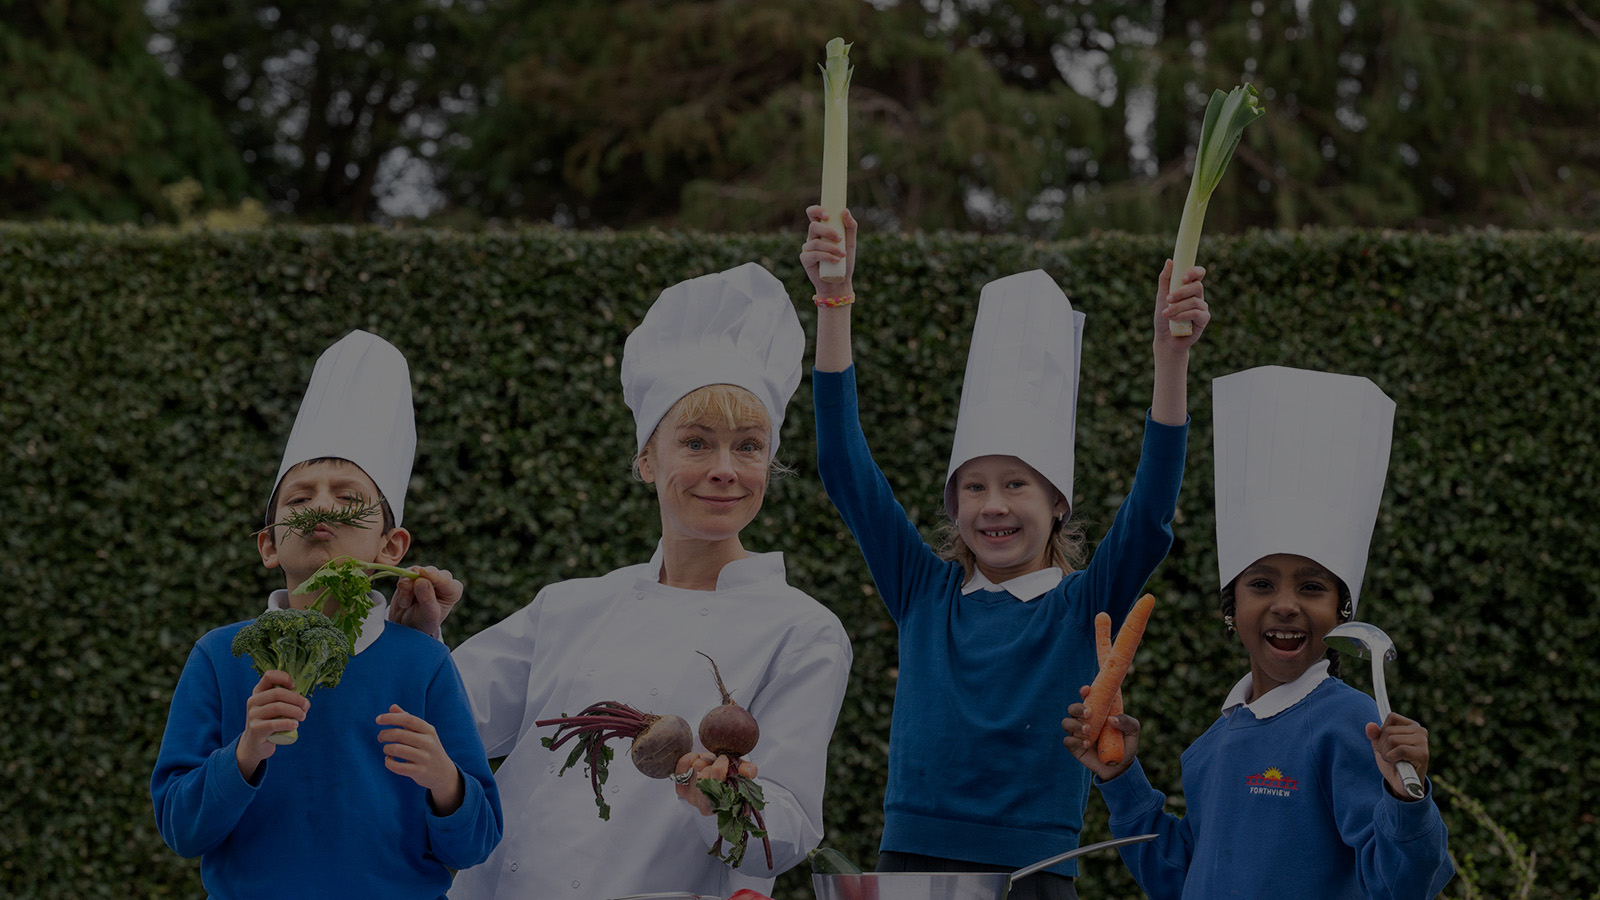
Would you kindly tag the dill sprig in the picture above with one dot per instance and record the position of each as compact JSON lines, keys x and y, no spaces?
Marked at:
{"x":304,"y":521}
{"x":346,"y":582}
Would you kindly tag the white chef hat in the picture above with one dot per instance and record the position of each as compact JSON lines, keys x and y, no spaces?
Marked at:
{"x":1300,"y":464}
{"x":358,"y":407}
{"x":1020,"y":395}
{"x":736,"y":327}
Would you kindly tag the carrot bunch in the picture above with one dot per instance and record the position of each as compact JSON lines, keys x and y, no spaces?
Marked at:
{"x":1105,"y":693}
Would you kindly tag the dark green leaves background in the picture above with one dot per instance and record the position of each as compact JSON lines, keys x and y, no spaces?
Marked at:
{"x":151,"y":379}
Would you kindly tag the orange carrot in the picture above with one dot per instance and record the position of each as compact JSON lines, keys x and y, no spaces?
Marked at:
{"x":1109,"y":680}
{"x":1110,"y":746}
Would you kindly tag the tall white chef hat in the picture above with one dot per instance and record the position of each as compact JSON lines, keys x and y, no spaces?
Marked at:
{"x":1301,"y":458}
{"x":1020,"y":396}
{"x":358,"y":407}
{"x":736,"y":327}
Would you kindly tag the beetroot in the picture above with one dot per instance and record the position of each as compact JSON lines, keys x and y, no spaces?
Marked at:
{"x":658,"y":741}
{"x":660,"y":745}
{"x":729,"y":730}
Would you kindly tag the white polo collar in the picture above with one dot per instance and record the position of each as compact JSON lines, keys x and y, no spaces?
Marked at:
{"x":1027,"y":587}
{"x":371,"y":626}
{"x":1279,"y":698}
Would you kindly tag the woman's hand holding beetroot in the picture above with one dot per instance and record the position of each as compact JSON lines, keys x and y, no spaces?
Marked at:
{"x":698,"y":765}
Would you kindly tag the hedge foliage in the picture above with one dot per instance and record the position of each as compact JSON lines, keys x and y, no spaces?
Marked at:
{"x":151,"y":379}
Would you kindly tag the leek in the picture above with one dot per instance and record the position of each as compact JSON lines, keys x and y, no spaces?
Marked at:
{"x":1226,"y":116}
{"x":835,"y":142}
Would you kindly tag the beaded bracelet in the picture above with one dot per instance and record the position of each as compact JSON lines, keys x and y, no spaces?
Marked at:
{"x":830,"y":302}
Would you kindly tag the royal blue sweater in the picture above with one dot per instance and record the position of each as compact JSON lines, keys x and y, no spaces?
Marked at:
{"x":977,"y":771}
{"x":1288,"y":806}
{"x":326,"y":818}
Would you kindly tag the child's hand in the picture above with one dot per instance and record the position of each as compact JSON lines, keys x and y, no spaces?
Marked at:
{"x":411,"y":748}
{"x":1185,"y":303}
{"x":424,"y":603}
{"x":1399,"y":738}
{"x":1077,"y":727}
{"x":273,"y":707}
{"x":822,"y":243}
{"x":693,"y":766}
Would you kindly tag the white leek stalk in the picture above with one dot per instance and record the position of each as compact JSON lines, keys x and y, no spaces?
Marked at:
{"x":835,"y":142}
{"x":1226,"y":116}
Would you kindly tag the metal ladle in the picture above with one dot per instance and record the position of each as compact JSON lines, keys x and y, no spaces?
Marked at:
{"x":1369,"y":642}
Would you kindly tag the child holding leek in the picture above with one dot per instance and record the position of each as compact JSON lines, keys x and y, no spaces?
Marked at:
{"x":997,"y":621}
{"x":386,"y":788}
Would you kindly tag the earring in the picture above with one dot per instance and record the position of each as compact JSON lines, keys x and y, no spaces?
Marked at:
{"x":1227,"y":623}
{"x":1346,"y":610}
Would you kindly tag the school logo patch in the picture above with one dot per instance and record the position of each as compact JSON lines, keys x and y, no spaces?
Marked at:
{"x":1272,"y":783}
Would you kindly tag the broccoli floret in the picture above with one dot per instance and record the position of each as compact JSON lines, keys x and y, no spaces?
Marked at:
{"x":303,"y":643}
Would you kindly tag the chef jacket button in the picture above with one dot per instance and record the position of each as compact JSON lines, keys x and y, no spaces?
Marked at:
{"x":638,"y":595}
{"x":705,"y":612}
{"x":654,"y":691}
{"x":513,"y":867}
{"x":552,"y":769}
{"x":574,"y":884}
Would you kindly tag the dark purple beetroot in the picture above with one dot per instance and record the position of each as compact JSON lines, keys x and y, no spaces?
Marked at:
{"x":728,"y":729}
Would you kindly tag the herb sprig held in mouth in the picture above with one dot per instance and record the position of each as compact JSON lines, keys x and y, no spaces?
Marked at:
{"x":304,"y":521}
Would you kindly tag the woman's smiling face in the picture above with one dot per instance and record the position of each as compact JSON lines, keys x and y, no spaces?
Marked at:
{"x":710,"y":474}
{"x":1284,"y":605}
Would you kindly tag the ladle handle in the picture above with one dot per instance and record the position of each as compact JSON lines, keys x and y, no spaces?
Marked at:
{"x":1025,"y":871}
{"x":1408,"y":772}
{"x":1408,"y":775}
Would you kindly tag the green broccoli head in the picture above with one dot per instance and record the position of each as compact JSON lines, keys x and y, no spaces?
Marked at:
{"x":303,"y":643}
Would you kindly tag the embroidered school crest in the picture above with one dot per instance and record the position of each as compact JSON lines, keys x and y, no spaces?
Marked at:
{"x":1271,"y":782}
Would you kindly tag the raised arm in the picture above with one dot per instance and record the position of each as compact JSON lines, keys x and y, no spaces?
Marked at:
{"x":1169,"y":403}
{"x":833,"y":321}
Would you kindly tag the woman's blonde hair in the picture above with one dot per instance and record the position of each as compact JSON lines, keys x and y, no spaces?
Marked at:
{"x":1065,"y":550}
{"x":726,"y":405}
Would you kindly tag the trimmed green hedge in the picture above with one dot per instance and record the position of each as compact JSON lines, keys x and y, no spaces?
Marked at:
{"x":151,"y":378}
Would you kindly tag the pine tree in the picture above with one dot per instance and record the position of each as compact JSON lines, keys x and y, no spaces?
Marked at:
{"x":92,"y":127}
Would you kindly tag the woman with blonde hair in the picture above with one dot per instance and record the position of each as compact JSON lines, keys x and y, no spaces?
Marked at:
{"x":707,"y":374}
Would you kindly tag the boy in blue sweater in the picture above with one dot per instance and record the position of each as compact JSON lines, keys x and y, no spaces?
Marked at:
{"x":1294,"y":791}
{"x":993,"y":625}
{"x":387,"y":787}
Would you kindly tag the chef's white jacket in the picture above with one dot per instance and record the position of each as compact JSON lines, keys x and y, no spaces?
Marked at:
{"x":627,"y":637}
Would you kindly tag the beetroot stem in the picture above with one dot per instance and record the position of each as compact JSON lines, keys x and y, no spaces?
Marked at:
{"x":761,"y":824}
{"x":570,"y":734}
{"x":589,"y":721}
